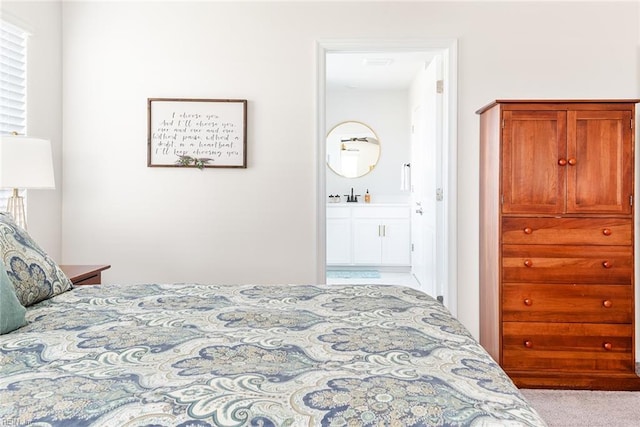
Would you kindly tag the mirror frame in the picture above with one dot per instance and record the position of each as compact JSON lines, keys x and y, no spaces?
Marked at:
{"x":368,"y":129}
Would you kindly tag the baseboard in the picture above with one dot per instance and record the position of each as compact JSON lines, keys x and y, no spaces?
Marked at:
{"x":577,"y":380}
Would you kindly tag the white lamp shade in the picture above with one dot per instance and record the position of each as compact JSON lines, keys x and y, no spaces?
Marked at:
{"x":26,"y":162}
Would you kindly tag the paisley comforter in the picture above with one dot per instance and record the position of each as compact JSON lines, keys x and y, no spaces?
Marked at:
{"x":250,"y":355}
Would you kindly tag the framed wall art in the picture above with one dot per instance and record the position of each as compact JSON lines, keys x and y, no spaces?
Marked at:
{"x":201,"y":133}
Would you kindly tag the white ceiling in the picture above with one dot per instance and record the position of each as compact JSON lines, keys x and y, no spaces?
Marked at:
{"x":374,"y":70}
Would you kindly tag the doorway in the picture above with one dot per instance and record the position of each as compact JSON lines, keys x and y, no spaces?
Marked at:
{"x":439,"y":257}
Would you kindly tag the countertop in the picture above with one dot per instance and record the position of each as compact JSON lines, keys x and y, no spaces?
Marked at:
{"x":362,"y":204}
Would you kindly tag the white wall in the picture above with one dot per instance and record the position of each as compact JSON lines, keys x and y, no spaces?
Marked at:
{"x":387,"y":113}
{"x":258,"y":224}
{"x":44,"y":110}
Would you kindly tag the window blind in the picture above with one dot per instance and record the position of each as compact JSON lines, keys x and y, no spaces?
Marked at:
{"x":13,"y":86}
{"x":13,"y":79}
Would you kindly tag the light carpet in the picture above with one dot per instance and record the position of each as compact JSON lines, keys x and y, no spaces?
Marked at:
{"x":569,"y":408}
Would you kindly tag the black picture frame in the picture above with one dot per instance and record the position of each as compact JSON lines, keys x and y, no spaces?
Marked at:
{"x":200,"y":133}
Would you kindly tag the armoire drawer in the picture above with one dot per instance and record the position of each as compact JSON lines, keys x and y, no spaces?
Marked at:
{"x":525,"y":302}
{"x":567,"y":231}
{"x":567,"y":264}
{"x":567,"y":346}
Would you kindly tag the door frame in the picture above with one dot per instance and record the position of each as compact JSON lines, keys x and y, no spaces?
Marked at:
{"x":448,"y":49}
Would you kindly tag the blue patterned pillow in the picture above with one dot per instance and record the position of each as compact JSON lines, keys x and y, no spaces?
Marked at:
{"x":11,"y":311}
{"x":35,"y":276}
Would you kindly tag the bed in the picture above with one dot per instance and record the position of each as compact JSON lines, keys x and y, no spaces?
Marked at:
{"x":246,"y":355}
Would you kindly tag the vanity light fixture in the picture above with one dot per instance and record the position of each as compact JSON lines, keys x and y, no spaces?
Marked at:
{"x":361,"y":139}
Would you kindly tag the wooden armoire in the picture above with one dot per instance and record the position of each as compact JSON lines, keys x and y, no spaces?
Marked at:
{"x":557,"y":242}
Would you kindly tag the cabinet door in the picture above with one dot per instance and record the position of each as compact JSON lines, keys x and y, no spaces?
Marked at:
{"x":339,"y":241}
{"x":367,"y":245}
{"x":600,"y":162}
{"x":533,"y":145}
{"x":396,"y":242}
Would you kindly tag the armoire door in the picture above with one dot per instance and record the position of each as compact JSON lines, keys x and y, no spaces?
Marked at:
{"x":599,"y":153}
{"x":534,"y":143}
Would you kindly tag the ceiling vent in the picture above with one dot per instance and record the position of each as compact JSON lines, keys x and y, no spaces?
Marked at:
{"x":377,"y":62}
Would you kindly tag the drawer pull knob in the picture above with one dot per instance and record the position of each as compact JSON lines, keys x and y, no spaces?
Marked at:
{"x":528,"y":263}
{"x":528,"y":230}
{"x":528,"y":344}
{"x":607,"y":303}
{"x":607,"y":264}
{"x":572,"y":162}
{"x":607,"y":346}
{"x":562,"y":162}
{"x":528,"y":302}
{"x":606,"y":232}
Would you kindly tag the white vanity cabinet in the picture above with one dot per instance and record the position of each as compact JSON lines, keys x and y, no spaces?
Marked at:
{"x":339,"y":246}
{"x":378,"y":235}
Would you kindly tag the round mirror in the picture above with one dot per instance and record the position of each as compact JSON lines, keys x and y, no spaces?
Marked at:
{"x":353,"y":149}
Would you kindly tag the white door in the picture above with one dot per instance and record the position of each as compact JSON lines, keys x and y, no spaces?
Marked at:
{"x":418,"y":242}
{"x":425,"y":140}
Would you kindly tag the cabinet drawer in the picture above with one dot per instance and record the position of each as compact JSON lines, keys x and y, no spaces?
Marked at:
{"x":567,"y":346}
{"x":381,"y":212}
{"x":567,"y":303}
{"x":567,"y":264}
{"x":570,"y":231}
{"x":338,"y":212}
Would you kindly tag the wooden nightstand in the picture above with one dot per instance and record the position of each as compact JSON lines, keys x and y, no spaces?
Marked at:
{"x":84,"y":274}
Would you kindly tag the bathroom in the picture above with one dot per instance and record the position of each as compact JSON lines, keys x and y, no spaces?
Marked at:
{"x":377,"y":102}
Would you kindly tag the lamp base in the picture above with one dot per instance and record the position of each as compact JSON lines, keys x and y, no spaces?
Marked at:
{"x":15,"y":207}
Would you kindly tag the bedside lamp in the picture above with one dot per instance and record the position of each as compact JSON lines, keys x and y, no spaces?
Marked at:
{"x":25,"y":163}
